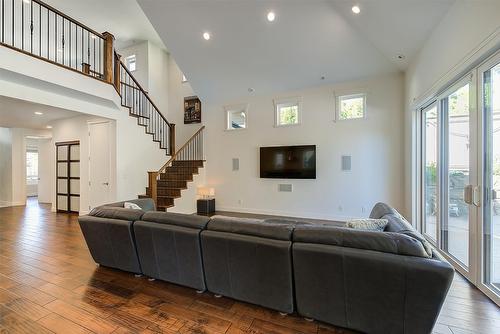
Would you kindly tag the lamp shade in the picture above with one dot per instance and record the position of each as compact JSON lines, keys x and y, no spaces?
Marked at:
{"x":206,"y":192}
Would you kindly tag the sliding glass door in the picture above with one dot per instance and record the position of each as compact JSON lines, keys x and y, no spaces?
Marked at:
{"x":430,"y":175}
{"x":456,"y":153}
{"x":460,"y":175}
{"x":490,"y":106}
{"x":449,"y":172}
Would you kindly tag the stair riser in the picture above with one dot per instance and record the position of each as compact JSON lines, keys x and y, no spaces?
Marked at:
{"x":176,"y":177}
{"x":182,"y":170}
{"x":169,"y":192}
{"x":184,"y":163}
{"x":172,"y":184}
{"x":165,"y":201}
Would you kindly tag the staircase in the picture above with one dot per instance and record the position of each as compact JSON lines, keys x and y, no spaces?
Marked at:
{"x":165,"y":185}
{"x":63,"y":41}
{"x":140,"y":106}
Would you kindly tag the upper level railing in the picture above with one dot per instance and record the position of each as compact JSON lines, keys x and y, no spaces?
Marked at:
{"x":35,"y":28}
{"x":41,"y":31}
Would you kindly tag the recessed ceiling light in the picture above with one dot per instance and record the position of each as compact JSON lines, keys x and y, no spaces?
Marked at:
{"x":206,"y":36}
{"x":49,"y":126}
{"x":356,"y":9}
{"x":38,"y":113}
{"x":271,"y":16}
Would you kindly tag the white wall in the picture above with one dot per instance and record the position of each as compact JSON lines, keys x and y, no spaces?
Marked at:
{"x":141,"y":52}
{"x":158,"y":77}
{"x":46,"y":170}
{"x":468,"y":33}
{"x":375,"y":143}
{"x":177,"y":91}
{"x":133,"y":154}
{"x":5,"y":167}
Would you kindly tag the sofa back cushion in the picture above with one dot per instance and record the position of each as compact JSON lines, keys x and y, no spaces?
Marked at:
{"x":146,"y":204}
{"x":115,"y":212}
{"x":178,"y":219}
{"x":279,"y":230}
{"x":387,"y":242}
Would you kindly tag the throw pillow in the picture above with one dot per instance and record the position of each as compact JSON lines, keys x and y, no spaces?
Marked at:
{"x":129,"y":205}
{"x":368,"y":224}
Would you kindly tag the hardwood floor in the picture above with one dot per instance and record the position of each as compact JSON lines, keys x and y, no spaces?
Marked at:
{"x":49,"y":284}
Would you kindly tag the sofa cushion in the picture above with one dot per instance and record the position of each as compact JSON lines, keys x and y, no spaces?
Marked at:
{"x":367,"y":224}
{"x":415,"y":235}
{"x":146,"y":204}
{"x":280,"y":230}
{"x":286,"y":221}
{"x":179,"y":219}
{"x":114,"y":212}
{"x":381,"y":209}
{"x":396,"y":223}
{"x":396,"y":243}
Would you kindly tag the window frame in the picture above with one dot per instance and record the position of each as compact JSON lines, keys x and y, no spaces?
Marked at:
{"x":232,"y":108}
{"x":338,"y":100}
{"x":127,"y":62}
{"x":287,"y":102}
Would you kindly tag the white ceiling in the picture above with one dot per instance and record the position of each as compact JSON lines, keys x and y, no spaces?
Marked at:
{"x":123,"y":18}
{"x":309,"y":39}
{"x":16,"y":113}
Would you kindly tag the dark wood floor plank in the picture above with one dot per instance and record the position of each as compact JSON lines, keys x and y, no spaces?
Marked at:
{"x":49,"y":283}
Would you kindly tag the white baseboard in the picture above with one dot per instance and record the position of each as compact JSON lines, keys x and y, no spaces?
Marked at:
{"x":307,"y":215}
{"x":4,"y":204}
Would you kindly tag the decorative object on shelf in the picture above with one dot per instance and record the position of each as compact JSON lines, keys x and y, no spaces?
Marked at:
{"x":192,"y":110}
{"x":205,"y":204}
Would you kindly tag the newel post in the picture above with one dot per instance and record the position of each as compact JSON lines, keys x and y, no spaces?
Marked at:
{"x":172,"y":139}
{"x":108,"y":57}
{"x":117,"y":74}
{"x":152,"y":186}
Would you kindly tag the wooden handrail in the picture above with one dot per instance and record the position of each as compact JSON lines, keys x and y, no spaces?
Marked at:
{"x":174,"y":156}
{"x":144,"y":91}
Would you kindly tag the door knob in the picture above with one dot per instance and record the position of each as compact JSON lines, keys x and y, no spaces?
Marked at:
{"x":106,"y":183}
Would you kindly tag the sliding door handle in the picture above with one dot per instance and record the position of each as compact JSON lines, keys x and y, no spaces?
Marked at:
{"x":472,"y":195}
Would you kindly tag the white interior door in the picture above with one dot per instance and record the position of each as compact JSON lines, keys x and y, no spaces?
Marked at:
{"x":99,"y":164}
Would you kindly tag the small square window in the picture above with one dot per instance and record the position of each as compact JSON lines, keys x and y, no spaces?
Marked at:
{"x":131,"y":63}
{"x":351,"y":106}
{"x":236,"y":117}
{"x":287,"y":112}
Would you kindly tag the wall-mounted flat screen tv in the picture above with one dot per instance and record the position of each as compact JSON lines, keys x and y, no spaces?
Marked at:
{"x":288,"y":162}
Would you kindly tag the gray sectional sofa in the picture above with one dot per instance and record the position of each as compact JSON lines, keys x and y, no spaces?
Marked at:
{"x":374,"y":282}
